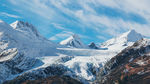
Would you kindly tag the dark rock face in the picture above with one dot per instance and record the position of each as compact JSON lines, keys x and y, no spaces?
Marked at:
{"x":93,"y":46}
{"x":131,"y":66}
{"x":15,"y":66}
{"x":53,"y":70}
{"x":50,"y":80}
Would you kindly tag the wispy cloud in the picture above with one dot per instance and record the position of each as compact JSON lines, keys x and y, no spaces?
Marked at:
{"x":110,"y":17}
{"x":101,"y":37}
{"x":65,"y":34}
{"x":61,"y":36}
{"x":58,"y":26}
{"x":9,"y":15}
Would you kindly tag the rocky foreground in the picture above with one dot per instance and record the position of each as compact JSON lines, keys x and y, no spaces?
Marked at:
{"x":131,"y":66}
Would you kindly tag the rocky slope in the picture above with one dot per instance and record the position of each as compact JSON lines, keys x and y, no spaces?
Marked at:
{"x":49,"y":80}
{"x":131,"y":66}
{"x":48,"y":74}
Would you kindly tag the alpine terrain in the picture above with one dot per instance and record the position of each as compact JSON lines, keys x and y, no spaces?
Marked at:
{"x":130,"y":66}
{"x":26,"y":57}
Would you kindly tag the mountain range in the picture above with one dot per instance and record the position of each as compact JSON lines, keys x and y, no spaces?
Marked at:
{"x":27,"y":57}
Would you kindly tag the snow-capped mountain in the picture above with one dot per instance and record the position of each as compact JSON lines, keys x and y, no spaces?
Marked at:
{"x":26,"y":28}
{"x":32,"y":40}
{"x":122,"y":41}
{"x":26,"y":55}
{"x":18,"y":50}
{"x":73,"y":41}
{"x":131,"y":66}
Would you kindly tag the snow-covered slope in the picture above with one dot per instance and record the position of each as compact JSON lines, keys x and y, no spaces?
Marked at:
{"x":73,"y":41}
{"x":131,"y":66}
{"x":19,"y":46}
{"x":26,"y":28}
{"x":122,"y":41}
{"x":87,"y":61}
{"x":33,"y":40}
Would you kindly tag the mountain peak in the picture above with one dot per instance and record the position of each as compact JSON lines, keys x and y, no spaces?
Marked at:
{"x":122,"y":41}
{"x":132,"y":36}
{"x":24,"y":27}
{"x":73,"y":41}
{"x":93,"y":45}
{"x":132,"y":31}
{"x":21,"y":24}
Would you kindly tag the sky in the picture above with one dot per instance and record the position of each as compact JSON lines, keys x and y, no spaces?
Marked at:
{"x":93,"y":20}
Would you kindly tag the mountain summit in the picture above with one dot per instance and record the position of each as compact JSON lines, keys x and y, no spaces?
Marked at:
{"x":120,"y":42}
{"x":92,"y":45}
{"x":25,"y":27}
{"x":131,"y":36}
{"x":73,"y":41}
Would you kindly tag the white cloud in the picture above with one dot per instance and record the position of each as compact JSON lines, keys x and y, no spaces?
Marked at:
{"x":58,"y":26}
{"x":65,"y":34}
{"x":134,"y":6}
{"x":8,"y":15}
{"x":62,"y":35}
{"x":88,"y":17}
{"x":53,"y":38}
{"x":101,"y":37}
{"x":35,"y":6}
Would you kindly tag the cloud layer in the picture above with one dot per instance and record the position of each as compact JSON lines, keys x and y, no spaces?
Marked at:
{"x":101,"y":19}
{"x":4,"y":14}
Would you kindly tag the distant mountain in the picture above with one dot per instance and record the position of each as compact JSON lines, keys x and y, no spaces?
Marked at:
{"x":73,"y":41}
{"x":131,"y":66}
{"x":122,"y":41}
{"x":93,"y":46}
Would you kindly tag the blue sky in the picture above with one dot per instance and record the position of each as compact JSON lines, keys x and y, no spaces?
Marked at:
{"x":93,"y":20}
